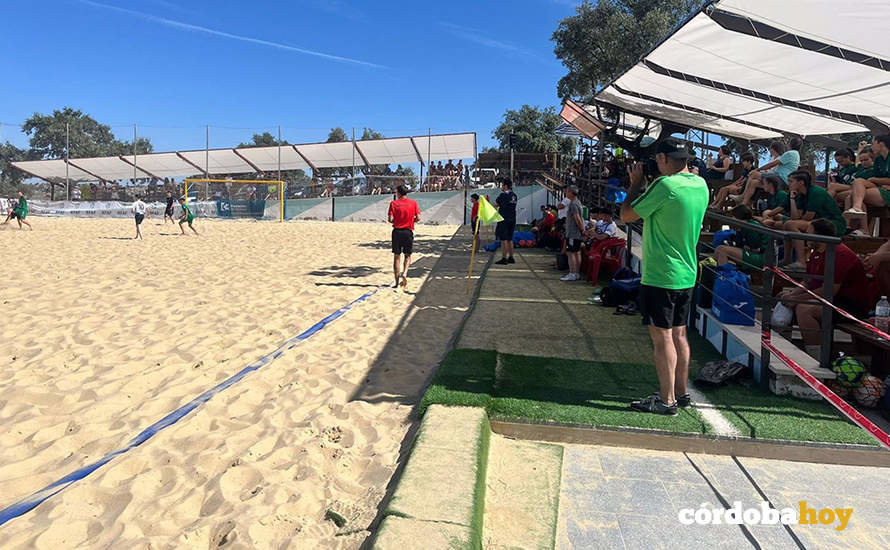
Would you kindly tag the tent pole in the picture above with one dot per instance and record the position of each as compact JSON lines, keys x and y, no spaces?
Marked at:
{"x":134,"y":153}
{"x":429,"y":148}
{"x":206,"y":157}
{"x":353,"y":155}
{"x":281,"y":192}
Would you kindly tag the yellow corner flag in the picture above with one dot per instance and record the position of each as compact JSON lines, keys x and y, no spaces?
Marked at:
{"x":487,"y":214}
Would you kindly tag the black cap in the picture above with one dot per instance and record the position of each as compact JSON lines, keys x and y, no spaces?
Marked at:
{"x":402,"y":189}
{"x":672,"y":148}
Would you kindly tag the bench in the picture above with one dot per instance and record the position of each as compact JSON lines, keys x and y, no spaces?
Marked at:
{"x":869,"y":343}
{"x":742,"y":344}
{"x":864,"y":245}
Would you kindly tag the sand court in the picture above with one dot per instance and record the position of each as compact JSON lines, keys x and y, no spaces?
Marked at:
{"x":106,"y":336}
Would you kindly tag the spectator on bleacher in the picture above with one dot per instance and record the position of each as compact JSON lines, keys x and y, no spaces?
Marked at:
{"x":545,"y":229}
{"x":851,"y":291}
{"x":879,"y":261}
{"x":574,"y":234}
{"x":874,"y":191}
{"x":717,"y":169}
{"x":672,"y":209}
{"x":460,"y":172}
{"x":817,"y":203}
{"x":783,"y":163}
{"x":750,"y":245}
{"x":736,"y":187}
{"x":696,"y":165}
{"x":776,"y":201}
{"x":845,"y":172}
{"x":865,"y":161}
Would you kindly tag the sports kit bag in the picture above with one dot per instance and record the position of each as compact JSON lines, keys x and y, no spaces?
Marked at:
{"x":733,"y":300}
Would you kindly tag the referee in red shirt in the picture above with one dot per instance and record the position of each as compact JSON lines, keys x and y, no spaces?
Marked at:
{"x":403,"y":214}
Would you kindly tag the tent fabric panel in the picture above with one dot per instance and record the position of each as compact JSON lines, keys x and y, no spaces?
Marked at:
{"x":687,"y":118}
{"x":109,"y":168}
{"x":447,"y":146}
{"x":388,"y":151}
{"x":52,"y":170}
{"x":166,"y":165}
{"x":710,"y":51}
{"x":644,"y":80}
{"x":331,"y":155}
{"x":219,"y":161}
{"x":853,"y":25}
{"x":266,"y":158}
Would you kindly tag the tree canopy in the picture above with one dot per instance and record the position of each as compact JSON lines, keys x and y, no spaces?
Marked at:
{"x":605,"y":38}
{"x":263,"y":140}
{"x":533,"y":127}
{"x":337,"y":135}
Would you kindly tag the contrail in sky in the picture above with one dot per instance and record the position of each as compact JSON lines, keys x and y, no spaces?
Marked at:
{"x":205,"y":30}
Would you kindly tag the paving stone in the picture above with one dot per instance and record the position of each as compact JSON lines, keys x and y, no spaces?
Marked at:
{"x":653,"y":465}
{"x":402,"y":533}
{"x":590,"y":531}
{"x":666,"y":532}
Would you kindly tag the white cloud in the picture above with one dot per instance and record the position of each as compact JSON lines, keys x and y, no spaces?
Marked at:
{"x":223,"y":34}
{"x":477,"y":36}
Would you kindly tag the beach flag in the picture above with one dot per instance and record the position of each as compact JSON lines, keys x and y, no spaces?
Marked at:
{"x":487,"y":214}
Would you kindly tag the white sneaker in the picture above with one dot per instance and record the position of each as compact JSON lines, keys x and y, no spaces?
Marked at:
{"x":855,"y":211}
{"x":568,"y":277}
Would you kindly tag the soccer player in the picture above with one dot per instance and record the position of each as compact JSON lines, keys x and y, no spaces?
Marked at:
{"x":187,"y":216}
{"x":503,"y":231}
{"x":672,"y":208}
{"x":403,"y":214}
{"x":139,"y":212}
{"x":21,"y":212}
{"x":168,"y":211}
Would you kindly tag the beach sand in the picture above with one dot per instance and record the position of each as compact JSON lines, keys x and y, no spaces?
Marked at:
{"x":103,"y":336}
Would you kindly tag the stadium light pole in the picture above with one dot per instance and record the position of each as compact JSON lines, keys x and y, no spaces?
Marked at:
{"x":67,"y":180}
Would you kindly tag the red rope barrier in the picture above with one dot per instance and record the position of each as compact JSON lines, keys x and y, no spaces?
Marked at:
{"x":832,"y":397}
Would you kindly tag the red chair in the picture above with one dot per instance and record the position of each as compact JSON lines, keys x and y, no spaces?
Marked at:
{"x":607,"y":253}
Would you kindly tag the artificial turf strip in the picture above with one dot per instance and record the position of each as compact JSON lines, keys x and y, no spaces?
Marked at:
{"x":597,"y":394}
{"x":760,"y":414}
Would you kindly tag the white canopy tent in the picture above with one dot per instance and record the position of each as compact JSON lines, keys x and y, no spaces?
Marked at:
{"x":400,"y":150}
{"x":759,"y":69}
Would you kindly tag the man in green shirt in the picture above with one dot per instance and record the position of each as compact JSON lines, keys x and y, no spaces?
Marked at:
{"x":846,"y":172}
{"x":187,"y":216}
{"x":874,"y":191}
{"x":672,"y":209}
{"x":817,"y":204}
{"x":865,"y":169}
{"x":21,"y":212}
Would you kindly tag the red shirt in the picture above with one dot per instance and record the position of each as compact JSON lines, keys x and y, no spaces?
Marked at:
{"x":403,"y":211}
{"x":849,"y":272}
{"x":475,"y":211}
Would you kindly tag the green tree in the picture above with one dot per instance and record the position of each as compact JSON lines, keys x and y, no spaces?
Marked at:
{"x":263,"y":140}
{"x":336,"y":135}
{"x":296,"y":177}
{"x":533,"y":127}
{"x":605,"y":38}
{"x":85,"y":138}
{"x":10,"y":178}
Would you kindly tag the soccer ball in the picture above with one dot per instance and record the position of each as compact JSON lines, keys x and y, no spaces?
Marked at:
{"x":841,"y":391}
{"x":870,"y":392}
{"x":849,"y":371}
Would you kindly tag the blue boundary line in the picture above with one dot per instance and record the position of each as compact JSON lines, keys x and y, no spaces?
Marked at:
{"x":27,"y":504}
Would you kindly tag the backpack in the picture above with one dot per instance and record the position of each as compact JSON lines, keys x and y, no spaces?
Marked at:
{"x":624,"y":288}
{"x":733,"y":302}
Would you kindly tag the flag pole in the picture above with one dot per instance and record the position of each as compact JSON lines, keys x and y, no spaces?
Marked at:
{"x":473,"y":254}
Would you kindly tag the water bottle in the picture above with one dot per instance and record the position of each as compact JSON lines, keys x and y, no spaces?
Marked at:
{"x":882,"y":314}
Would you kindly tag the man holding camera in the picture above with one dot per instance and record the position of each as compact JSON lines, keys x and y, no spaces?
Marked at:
{"x":672,"y":209}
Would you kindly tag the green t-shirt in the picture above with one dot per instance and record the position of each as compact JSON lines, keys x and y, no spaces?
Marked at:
{"x":187,"y":213}
{"x":864,"y":173}
{"x":881,"y":167}
{"x":672,"y":208}
{"x":23,"y":205}
{"x":847,"y":174}
{"x":779,"y":200}
{"x":754,"y":240}
{"x":820,"y":203}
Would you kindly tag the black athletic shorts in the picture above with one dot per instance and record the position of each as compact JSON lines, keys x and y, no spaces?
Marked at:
{"x":663,"y":307}
{"x":402,"y":241}
{"x":169,"y":212}
{"x":573,"y":245}
{"x":474,"y":226}
{"x":503,"y":231}
{"x":139,"y":218}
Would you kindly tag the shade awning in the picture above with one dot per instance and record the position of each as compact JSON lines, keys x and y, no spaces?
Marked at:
{"x":247,"y":160}
{"x":757,"y":69}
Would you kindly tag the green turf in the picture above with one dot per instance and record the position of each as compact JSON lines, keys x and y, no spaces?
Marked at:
{"x":535,"y":389}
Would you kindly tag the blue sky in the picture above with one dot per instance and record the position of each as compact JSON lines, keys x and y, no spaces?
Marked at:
{"x":172,"y":66}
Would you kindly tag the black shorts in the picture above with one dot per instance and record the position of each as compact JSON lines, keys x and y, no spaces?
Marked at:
{"x":663,"y":307}
{"x":139,"y":218}
{"x":402,"y":241}
{"x":473,"y":225}
{"x":169,"y":212}
{"x":503,"y":231}
{"x":573,"y":245}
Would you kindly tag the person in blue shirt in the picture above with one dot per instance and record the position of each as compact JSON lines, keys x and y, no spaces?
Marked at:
{"x":784,"y":162}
